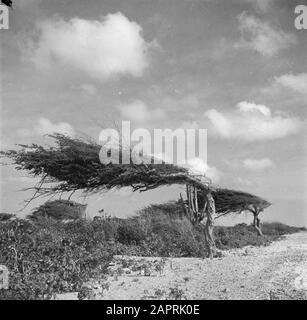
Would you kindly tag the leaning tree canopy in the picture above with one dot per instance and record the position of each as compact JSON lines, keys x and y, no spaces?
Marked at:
{"x":73,"y":164}
{"x":232,"y":201}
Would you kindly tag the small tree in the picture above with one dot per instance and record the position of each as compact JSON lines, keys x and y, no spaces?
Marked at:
{"x":59,"y":210}
{"x":226,"y":202}
{"x":232,"y":201}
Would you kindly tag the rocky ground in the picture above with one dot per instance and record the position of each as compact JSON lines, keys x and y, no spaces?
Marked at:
{"x":275,"y":272}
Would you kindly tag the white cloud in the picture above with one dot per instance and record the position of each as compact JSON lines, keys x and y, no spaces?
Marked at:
{"x":251,"y":122}
{"x":138,"y":111}
{"x":45,"y":126}
{"x":253,"y":107}
{"x":297,"y":83}
{"x":190,"y":102}
{"x":243,"y":182}
{"x":213,"y":173}
{"x":3,"y":145}
{"x":257,"y":164}
{"x":88,"y":89}
{"x":260,"y":36}
{"x":102,"y":48}
{"x":198,"y":166}
{"x":262,"y":5}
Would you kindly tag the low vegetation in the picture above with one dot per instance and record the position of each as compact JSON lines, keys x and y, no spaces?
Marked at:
{"x":6,"y":216}
{"x":59,"y":210}
{"x":51,"y":257}
{"x":46,"y":256}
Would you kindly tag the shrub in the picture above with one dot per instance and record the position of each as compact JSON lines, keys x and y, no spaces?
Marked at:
{"x":6,"y":216}
{"x":130,"y":232}
{"x":237,"y":237}
{"x":277,"y":228}
{"x":50,"y":258}
{"x":59,"y":210}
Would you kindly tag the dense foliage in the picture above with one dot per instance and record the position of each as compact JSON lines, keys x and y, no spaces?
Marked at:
{"x":233,"y":201}
{"x":73,"y":164}
{"x":50,"y":257}
{"x":59,"y":210}
{"x":47,"y":256}
{"x":6,"y":216}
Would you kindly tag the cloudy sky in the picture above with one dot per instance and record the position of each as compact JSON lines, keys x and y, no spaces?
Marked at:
{"x":237,"y":68}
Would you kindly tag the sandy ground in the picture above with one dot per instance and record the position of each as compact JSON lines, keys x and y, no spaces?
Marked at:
{"x":278,"y":271}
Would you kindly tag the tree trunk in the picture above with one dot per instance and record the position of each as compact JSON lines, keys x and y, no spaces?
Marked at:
{"x":209,"y":211}
{"x":197,"y":214}
{"x":210,"y":244}
{"x":256,"y":223}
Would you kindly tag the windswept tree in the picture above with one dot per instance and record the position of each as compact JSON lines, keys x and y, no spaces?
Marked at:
{"x":59,"y":210}
{"x":217,"y":203}
{"x":232,"y":201}
{"x":74,"y":164}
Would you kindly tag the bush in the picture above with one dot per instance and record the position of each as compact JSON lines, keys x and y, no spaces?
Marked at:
{"x":278,"y":229}
{"x":238,"y":236}
{"x":6,"y":216}
{"x":169,"y":233}
{"x":50,"y":258}
{"x":243,"y":235}
{"x":59,"y":210}
{"x":130,"y":232}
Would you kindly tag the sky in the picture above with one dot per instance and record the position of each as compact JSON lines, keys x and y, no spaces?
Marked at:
{"x":237,"y":68}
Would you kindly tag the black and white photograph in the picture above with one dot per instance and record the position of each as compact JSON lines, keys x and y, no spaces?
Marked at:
{"x":153,"y":150}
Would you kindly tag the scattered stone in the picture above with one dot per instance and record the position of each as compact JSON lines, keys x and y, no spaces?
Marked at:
{"x":126,"y":270}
